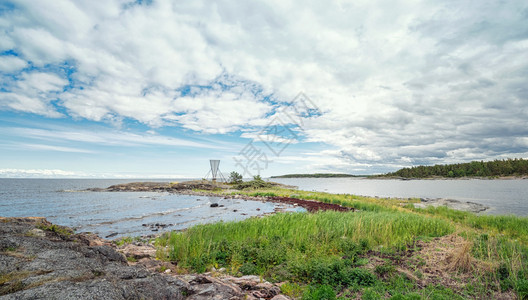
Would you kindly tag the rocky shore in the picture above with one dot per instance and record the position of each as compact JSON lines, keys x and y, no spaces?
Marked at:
{"x":40,"y":260}
{"x":173,"y":187}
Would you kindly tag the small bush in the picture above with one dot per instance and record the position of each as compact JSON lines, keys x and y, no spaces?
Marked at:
{"x":503,"y":272}
{"x":279,"y":273}
{"x":411,"y":296}
{"x":59,"y":230}
{"x":198,"y":263}
{"x":256,"y":183}
{"x":322,"y":292}
{"x":292,"y":290}
{"x":361,"y":276}
{"x":337,"y":273}
{"x":248,"y":269}
{"x":385,"y":269}
{"x":369,"y":294}
{"x":521,"y":287}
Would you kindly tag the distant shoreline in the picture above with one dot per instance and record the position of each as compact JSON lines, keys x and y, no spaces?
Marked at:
{"x":318,"y":175}
{"x":448,"y":178}
{"x":399,"y":177}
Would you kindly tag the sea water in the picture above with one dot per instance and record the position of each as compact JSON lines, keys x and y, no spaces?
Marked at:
{"x":63,"y":202}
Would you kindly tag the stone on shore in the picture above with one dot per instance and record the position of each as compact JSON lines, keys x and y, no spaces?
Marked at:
{"x":451,"y":203}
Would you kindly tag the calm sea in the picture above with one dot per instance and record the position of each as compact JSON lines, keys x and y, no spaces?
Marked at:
{"x":502,"y":196}
{"x":124,"y":213}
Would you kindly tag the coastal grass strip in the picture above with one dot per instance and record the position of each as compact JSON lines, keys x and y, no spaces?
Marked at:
{"x":298,"y":236}
{"x":312,"y":248}
{"x":514,"y":227}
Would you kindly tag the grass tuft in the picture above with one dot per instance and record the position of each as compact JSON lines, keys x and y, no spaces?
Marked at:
{"x":460,"y":259}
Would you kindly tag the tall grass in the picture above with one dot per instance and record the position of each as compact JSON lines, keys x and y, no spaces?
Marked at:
{"x":266,"y":242}
{"x":513,"y":227}
{"x":322,"y":248}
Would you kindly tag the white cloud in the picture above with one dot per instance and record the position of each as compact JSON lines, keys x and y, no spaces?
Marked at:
{"x":109,"y":138}
{"x":33,"y":93}
{"x":49,"y":173}
{"x":9,"y":64}
{"x":57,"y":173}
{"x":54,"y":148}
{"x":399,"y":82}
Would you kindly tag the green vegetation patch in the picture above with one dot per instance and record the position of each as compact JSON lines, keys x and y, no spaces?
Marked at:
{"x":299,"y":246}
{"x":256,"y":183}
{"x":59,"y":230}
{"x":373,"y":253}
{"x":513,"y":227}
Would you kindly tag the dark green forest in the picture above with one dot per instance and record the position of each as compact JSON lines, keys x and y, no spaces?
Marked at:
{"x":496,"y":168}
{"x":316,"y":175}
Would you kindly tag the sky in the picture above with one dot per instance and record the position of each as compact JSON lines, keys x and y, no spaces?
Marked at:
{"x":145,"y":89}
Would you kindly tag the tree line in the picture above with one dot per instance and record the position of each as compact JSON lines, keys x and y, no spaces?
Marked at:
{"x":505,"y":167}
{"x":315,"y":175}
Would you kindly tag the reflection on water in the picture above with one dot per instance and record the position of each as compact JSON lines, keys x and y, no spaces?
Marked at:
{"x":503,"y":196}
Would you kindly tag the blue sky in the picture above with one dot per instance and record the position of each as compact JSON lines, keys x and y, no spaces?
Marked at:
{"x":157,"y":88}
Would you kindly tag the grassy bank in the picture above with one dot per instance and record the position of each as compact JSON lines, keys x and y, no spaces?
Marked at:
{"x":388,"y":249}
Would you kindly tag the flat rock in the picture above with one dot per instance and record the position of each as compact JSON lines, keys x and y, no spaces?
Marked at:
{"x":451,"y":203}
{"x":138,"y":252}
{"x":59,"y":265}
{"x":207,"y":287}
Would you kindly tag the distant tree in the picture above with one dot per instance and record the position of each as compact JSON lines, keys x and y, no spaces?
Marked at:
{"x":257,"y":178}
{"x":235,"y":178}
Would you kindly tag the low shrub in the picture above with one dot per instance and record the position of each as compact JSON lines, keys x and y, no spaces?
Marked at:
{"x":321,"y":292}
{"x":248,"y":268}
{"x":521,"y":287}
{"x":292,"y":290}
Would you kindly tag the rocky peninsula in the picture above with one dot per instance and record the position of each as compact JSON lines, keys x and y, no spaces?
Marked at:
{"x":208,"y":188}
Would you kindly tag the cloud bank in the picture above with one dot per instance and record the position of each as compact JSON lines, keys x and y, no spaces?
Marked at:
{"x":398,"y":82}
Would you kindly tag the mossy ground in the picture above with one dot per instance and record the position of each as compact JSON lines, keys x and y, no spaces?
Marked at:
{"x":387,"y":249}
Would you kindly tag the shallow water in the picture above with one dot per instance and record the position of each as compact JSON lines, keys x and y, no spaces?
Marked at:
{"x":502,"y":196}
{"x":123,"y":213}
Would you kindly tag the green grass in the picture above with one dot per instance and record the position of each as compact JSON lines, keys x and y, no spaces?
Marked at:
{"x":331,"y":249}
{"x":129,"y":240}
{"x":513,"y":227}
{"x":60,"y":230}
{"x":257,"y":245}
